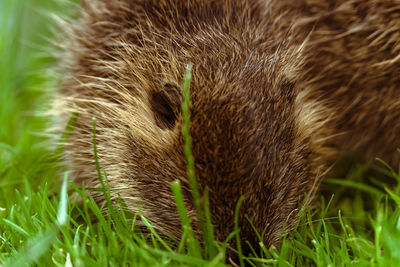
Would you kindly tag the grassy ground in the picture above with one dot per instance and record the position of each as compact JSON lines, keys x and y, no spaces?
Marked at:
{"x":356,"y":223}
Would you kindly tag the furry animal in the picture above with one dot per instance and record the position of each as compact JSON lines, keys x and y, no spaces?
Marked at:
{"x":280,"y":89}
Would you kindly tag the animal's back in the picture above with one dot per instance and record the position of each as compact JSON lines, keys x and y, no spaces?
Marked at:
{"x":279,"y":89}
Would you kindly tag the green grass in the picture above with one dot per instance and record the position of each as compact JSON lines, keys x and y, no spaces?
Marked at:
{"x":356,"y":220}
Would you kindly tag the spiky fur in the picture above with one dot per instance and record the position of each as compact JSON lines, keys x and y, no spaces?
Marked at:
{"x":280,"y":88}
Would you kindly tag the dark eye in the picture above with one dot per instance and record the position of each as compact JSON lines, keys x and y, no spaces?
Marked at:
{"x":166,"y":105}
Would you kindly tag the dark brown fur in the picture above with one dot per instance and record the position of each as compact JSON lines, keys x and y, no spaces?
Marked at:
{"x":280,"y":88}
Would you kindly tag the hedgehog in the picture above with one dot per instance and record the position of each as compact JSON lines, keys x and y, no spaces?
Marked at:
{"x":280,"y":89}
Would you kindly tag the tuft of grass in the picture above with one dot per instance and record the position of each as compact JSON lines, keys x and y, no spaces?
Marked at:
{"x":356,"y":222}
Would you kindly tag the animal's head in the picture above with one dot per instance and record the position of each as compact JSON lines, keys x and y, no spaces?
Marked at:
{"x":126,"y":65}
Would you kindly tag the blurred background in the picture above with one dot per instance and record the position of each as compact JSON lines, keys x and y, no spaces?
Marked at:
{"x":26,"y":30}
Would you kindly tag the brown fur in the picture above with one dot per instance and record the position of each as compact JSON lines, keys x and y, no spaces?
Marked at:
{"x":280,"y":88}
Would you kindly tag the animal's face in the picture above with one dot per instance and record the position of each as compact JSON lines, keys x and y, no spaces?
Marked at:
{"x":248,"y":140}
{"x":244,"y":133}
{"x":243,"y":128}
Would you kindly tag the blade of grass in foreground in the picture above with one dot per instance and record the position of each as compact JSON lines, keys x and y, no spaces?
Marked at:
{"x":353,"y":184}
{"x":193,"y":245}
{"x":62,"y":214}
{"x":206,"y":228}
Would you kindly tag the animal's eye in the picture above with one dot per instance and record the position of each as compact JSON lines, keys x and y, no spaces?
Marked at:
{"x":165,"y":105}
